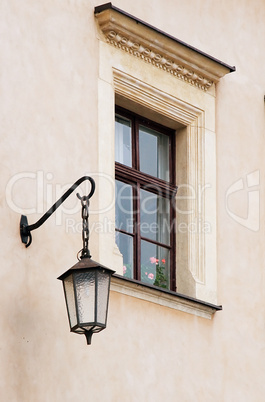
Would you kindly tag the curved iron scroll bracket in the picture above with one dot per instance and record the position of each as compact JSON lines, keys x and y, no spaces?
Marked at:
{"x":25,"y":228}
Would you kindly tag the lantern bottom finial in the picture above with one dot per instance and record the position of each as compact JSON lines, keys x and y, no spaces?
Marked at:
{"x":88,"y":335}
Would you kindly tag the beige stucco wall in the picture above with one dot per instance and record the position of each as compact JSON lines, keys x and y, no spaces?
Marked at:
{"x":49,"y":124}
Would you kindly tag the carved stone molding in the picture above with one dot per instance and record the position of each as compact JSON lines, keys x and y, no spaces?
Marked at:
{"x":158,"y":60}
{"x":154,"y":99}
{"x":169,"y":54}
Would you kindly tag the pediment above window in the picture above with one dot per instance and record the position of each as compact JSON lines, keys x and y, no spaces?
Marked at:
{"x":161,"y":50}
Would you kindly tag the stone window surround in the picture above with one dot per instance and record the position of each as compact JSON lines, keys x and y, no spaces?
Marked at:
{"x":191,"y":116}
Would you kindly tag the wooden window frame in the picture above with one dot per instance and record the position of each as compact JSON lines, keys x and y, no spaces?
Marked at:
{"x":139,"y":180}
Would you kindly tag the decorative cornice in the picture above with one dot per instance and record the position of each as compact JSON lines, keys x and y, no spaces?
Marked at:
{"x":158,"y":60}
{"x":139,"y":39}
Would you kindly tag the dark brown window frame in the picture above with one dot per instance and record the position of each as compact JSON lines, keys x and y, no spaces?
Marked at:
{"x":139,"y":180}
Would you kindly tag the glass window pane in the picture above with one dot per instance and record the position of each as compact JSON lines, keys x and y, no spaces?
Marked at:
{"x":154,"y":153}
{"x":102,"y":297}
{"x":155,"y":265}
{"x":125,"y":244}
{"x":70,"y":300}
{"x":85,"y":294}
{"x":123,"y":206}
{"x":123,"y":141}
{"x":155,"y":217}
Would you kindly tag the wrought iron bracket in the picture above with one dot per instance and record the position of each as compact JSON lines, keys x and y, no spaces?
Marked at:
{"x":26,"y":229}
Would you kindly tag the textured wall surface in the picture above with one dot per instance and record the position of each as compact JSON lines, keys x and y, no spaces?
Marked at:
{"x":49,"y":122}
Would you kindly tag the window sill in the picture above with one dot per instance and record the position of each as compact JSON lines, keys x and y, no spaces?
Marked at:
{"x":163,"y":297}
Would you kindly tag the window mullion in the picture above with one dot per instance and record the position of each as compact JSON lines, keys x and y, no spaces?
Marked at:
{"x":172,"y":153}
{"x":137,"y":237}
{"x":136,"y":143}
{"x":172,"y":242}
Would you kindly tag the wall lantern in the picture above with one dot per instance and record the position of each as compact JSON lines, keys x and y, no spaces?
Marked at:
{"x":86,"y":284}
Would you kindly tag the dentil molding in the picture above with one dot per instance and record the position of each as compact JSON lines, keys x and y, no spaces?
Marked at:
{"x":139,"y":39}
{"x":158,"y":60}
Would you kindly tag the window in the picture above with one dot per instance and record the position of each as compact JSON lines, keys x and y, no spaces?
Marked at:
{"x":167,"y":81}
{"x":145,"y":190}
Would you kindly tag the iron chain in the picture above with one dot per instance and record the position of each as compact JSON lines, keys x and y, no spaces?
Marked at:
{"x":85,"y":227}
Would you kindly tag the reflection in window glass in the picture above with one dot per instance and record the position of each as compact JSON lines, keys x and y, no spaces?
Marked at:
{"x":125,"y":245}
{"x":155,"y":217}
{"x":155,"y":265}
{"x":154,"y":153}
{"x":123,"y":206}
{"x":144,"y":230}
{"x":123,"y":141}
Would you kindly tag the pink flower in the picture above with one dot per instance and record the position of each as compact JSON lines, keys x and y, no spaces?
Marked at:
{"x":163,"y":261}
{"x":124,"y":269}
{"x":154,"y":260}
{"x":151,"y":276}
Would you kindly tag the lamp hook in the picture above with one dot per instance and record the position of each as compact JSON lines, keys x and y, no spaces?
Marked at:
{"x":25,"y":228}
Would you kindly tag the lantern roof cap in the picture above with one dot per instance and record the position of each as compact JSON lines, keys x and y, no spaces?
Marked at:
{"x":85,"y":263}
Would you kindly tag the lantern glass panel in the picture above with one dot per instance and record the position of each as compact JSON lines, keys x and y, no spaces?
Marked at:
{"x":70,"y":300}
{"x":103,"y":295}
{"x":85,"y":294}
